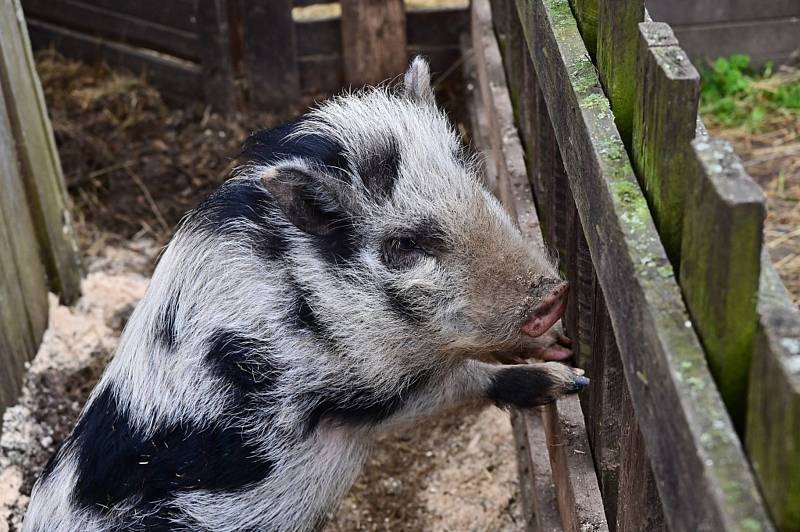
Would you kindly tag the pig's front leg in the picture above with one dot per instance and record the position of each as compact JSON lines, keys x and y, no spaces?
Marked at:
{"x":521,"y":385}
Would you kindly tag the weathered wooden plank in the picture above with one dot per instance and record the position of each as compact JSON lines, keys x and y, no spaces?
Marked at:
{"x":604,"y":408}
{"x":321,"y":73}
{"x":587,"y":15}
{"x":177,"y":79}
{"x":664,"y":114}
{"x":763,"y":40}
{"x":688,"y":12}
{"x":177,"y":14}
{"x":578,"y":494}
{"x":373,"y":40}
{"x":703,"y":477}
{"x":617,"y":45}
{"x":720,"y":265}
{"x":219,"y":76}
{"x":639,"y":508}
{"x":773,"y":416}
{"x":536,"y":478}
{"x":23,"y":288}
{"x":270,"y":54}
{"x":36,"y":151}
{"x":99,"y":21}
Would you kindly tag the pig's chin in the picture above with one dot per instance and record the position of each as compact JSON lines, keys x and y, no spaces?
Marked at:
{"x":541,"y":322}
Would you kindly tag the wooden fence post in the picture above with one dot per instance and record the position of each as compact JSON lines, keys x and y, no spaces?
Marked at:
{"x":720,"y":265}
{"x":617,"y":42}
{"x":23,"y":288}
{"x":36,"y":151}
{"x":587,"y":16}
{"x":373,"y":40}
{"x":219,"y":83}
{"x":773,"y":415}
{"x":664,"y":114}
{"x":270,"y":54}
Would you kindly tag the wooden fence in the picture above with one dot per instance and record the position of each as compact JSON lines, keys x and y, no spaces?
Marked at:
{"x":37,"y":248}
{"x":679,"y":318}
{"x":266,"y":53}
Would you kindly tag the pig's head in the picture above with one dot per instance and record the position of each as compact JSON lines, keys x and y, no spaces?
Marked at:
{"x":405,"y":249}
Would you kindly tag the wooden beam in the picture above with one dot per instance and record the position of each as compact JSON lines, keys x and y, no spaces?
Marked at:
{"x":587,"y":15}
{"x":270,"y":54}
{"x":702,"y":475}
{"x":373,"y":40}
{"x":665,"y":108}
{"x":219,"y":75}
{"x":773,"y":415}
{"x":720,"y":264}
{"x":617,"y":52}
{"x":36,"y":151}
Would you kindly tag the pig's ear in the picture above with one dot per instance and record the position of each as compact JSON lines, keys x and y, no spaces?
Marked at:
{"x":304,"y":198}
{"x":417,"y":81}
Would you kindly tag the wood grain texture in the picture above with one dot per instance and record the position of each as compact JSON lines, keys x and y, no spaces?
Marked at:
{"x":36,"y":151}
{"x":617,"y":45}
{"x":178,"y":14}
{"x":179,"y":80}
{"x":373,"y":40}
{"x":99,"y":21}
{"x":270,"y":54}
{"x":578,"y":494}
{"x":587,"y":15}
{"x":540,"y":505}
{"x":688,"y":12}
{"x":639,"y":507}
{"x":664,"y":113}
{"x":773,"y":417}
{"x":702,"y":475}
{"x":219,"y":76}
{"x":23,"y":285}
{"x":720,"y":264}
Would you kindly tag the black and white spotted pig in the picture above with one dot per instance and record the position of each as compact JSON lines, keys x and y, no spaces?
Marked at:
{"x":353,"y":275}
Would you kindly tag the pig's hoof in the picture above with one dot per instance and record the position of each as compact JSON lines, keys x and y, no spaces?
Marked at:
{"x":578,"y":384}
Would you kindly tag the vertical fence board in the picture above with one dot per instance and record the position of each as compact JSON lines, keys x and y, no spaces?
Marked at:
{"x":639,"y":507}
{"x":36,"y":150}
{"x":216,"y":58}
{"x":617,"y":43}
{"x":720,"y":265}
{"x":665,"y":109}
{"x":702,"y":476}
{"x":773,"y":416}
{"x":23,"y":289}
{"x":270,"y":54}
{"x":586,"y":13}
{"x":373,"y":40}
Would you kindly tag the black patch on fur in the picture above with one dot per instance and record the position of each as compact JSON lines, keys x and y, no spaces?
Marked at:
{"x":241,"y":361}
{"x":269,"y":146}
{"x":361,"y":405}
{"x":241,"y":209}
{"x":380,"y":169}
{"x":116,"y":462}
{"x":401,"y":303}
{"x":165,"y":326}
{"x":523,"y":387}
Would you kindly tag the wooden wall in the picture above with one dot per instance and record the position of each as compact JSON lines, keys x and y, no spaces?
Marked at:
{"x":767,"y":30}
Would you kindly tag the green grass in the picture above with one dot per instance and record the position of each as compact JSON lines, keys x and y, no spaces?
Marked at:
{"x":734,"y":95}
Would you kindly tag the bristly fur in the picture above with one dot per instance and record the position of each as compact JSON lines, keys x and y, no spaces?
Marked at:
{"x":347,"y":278}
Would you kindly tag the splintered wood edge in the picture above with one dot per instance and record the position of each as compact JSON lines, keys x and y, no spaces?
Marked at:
{"x":577,"y":481}
{"x":699,"y":456}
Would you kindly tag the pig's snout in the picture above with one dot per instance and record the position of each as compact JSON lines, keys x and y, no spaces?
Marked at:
{"x":548,"y":311}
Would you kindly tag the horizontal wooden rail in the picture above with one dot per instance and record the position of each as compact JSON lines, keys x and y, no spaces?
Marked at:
{"x":702,"y":475}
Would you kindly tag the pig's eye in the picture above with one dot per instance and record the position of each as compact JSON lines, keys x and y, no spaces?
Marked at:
{"x":402,"y":252}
